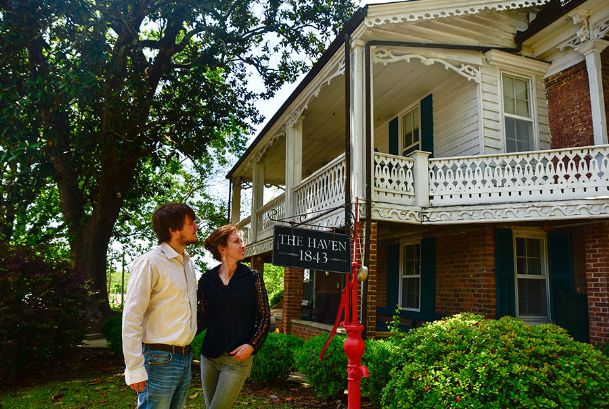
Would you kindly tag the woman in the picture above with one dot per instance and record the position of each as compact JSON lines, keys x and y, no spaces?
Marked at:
{"x":233,"y":306}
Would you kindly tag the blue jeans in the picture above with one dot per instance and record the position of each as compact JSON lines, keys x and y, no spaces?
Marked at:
{"x":222,"y":380}
{"x":168,"y":380}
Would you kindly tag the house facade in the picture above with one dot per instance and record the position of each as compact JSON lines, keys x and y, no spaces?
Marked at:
{"x":474,"y":135}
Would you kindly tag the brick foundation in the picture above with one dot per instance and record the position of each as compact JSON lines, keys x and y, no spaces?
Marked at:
{"x":292,"y":297}
{"x":258,"y":263}
{"x":596,"y":239}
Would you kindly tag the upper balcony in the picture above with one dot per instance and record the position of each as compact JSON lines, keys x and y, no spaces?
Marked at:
{"x":541,"y":185}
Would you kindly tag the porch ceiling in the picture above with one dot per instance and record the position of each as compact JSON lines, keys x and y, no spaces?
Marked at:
{"x":400,"y":84}
{"x":489,"y":28}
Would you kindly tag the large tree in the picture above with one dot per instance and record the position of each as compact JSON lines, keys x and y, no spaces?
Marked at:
{"x":97,"y":95}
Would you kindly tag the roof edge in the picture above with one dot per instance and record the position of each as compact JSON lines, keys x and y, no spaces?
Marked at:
{"x":356,"y":19}
{"x":548,"y":15}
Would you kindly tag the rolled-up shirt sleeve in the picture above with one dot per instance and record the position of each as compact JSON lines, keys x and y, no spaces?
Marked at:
{"x":136,"y":303}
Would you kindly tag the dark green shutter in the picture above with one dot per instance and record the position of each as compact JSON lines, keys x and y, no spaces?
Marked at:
{"x":394,"y":136}
{"x":504,"y":272}
{"x":560,"y":260}
{"x":428,"y":277}
{"x":427,"y":124}
{"x":393,"y":274}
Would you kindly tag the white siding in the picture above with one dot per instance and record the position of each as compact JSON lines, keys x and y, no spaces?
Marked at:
{"x":381,"y":137}
{"x":491,"y":111}
{"x":543,"y":124}
{"x":455,"y":113}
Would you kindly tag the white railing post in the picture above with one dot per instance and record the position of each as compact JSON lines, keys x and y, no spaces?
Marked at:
{"x":257,"y":197}
{"x":235,"y":208}
{"x":421,"y":177}
{"x":293,"y":163}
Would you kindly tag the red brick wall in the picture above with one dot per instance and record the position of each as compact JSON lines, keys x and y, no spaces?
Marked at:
{"x":306,"y":331}
{"x":372,"y":281}
{"x":292,"y":296}
{"x":465,"y":272}
{"x":596,"y":238}
{"x":257,"y":263}
{"x":381,"y":274}
{"x":569,"y":107}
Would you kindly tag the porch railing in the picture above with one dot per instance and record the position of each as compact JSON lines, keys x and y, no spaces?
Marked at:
{"x":245,"y":226}
{"x":275,"y":209}
{"x":558,"y":174}
{"x":322,"y":190}
{"x":393,"y":179}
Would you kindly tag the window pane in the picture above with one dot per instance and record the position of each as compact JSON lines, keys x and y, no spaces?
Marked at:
{"x":520,"y":247}
{"x":524,"y":132}
{"x":522,"y":108}
{"x":521,"y":265}
{"x":509,"y":105}
{"x":534,"y":266}
{"x":508,"y":86}
{"x":532,"y":298}
{"x":410,"y":293}
{"x":533,"y":248}
{"x":521,"y":90}
{"x":518,"y":135}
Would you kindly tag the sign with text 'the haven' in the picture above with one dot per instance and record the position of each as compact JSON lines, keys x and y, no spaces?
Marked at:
{"x":312,"y":249}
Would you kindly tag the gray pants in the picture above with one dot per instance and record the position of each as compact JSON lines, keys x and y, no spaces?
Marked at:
{"x":222,"y":380}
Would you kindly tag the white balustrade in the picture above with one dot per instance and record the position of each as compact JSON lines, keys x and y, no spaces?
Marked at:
{"x":393,"y":179}
{"x":322,"y":190}
{"x":245,"y":227}
{"x":561,"y":174}
{"x":274,"y":209}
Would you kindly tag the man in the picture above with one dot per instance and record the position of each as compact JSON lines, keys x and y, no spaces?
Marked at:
{"x":159,"y":317}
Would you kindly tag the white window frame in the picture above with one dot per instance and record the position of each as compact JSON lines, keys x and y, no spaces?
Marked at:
{"x":410,"y":108}
{"x":403,"y":245}
{"x":532,"y":86}
{"x":537,"y":234}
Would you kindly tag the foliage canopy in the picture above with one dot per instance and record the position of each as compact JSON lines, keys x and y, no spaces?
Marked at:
{"x":101,"y":101}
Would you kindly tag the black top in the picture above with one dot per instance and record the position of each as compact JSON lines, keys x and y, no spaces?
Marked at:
{"x":234,"y":314}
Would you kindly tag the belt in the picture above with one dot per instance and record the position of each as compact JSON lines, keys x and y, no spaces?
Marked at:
{"x":174,"y":349}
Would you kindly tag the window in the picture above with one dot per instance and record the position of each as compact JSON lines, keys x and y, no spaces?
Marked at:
{"x":411,"y":131}
{"x":517,"y":114}
{"x":531,"y":277}
{"x":410,"y":277}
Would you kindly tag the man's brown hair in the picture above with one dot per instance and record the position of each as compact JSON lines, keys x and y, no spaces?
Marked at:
{"x":169,"y":217}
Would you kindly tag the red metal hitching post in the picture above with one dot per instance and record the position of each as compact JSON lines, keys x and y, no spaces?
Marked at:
{"x":354,"y":344}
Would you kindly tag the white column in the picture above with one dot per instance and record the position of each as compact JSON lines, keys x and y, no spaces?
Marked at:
{"x":358,"y":120}
{"x":257,"y":197}
{"x":235,"y":206}
{"x":592,"y":51}
{"x":421,"y":178}
{"x":293,"y":163}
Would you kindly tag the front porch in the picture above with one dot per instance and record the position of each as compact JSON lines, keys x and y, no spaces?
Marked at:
{"x":526,"y":186}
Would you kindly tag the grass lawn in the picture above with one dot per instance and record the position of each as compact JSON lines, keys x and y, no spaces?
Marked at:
{"x":104,"y":387}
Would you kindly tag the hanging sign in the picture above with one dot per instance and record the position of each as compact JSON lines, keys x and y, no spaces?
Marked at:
{"x":312,"y":249}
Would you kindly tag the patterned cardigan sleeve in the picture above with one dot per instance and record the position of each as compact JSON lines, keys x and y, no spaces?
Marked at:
{"x":263,"y":313}
{"x":201,"y":308}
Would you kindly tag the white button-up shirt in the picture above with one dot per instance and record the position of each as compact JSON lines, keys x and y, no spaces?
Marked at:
{"x":160,"y":307}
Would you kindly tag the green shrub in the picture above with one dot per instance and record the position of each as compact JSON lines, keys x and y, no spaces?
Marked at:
{"x":197,"y":343}
{"x":379,"y":357}
{"x":328,"y":377}
{"x":112,"y":330}
{"x":467,"y":361}
{"x":276,"y":298}
{"x":275,"y":359}
{"x":42,"y":310}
